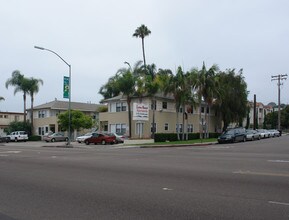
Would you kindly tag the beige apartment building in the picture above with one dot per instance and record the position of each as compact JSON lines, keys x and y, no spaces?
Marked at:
{"x":45,"y":115}
{"x":116,"y":119}
{"x":7,"y":117}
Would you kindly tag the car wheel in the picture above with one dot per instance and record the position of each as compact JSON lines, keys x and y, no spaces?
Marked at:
{"x":86,"y":142}
{"x":103,"y":142}
{"x":244,"y":139}
{"x":16,"y":140}
{"x":253,"y":138}
{"x":66,"y":139}
{"x":259,"y":137}
{"x":52,"y":140}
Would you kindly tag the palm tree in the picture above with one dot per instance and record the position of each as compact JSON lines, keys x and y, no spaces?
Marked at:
{"x":125,"y":82}
{"x":207,"y":87}
{"x":21,"y":84}
{"x":179,"y":87}
{"x":33,"y":89}
{"x":142,"y":32}
{"x":152,"y":87}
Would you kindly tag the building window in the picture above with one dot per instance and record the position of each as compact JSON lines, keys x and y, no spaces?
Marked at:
{"x":154,"y":127}
{"x":208,"y":110}
{"x":180,"y":110}
{"x":179,"y":127}
{"x":16,"y":118}
{"x":166,"y":126}
{"x":120,"y":107}
{"x":202,"y":109}
{"x":190,"y":128}
{"x":5,"y":116}
{"x":120,"y":128}
{"x":41,"y":114}
{"x":1,"y":116}
{"x":165,"y":105}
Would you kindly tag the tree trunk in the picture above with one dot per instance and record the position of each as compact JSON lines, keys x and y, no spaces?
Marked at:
{"x":143,"y":52}
{"x":31,"y":115}
{"x":200,"y":121}
{"x":178,"y":126}
{"x":183,"y":133}
{"x":24,"y":99}
{"x":129,"y":115}
{"x":154,"y":106}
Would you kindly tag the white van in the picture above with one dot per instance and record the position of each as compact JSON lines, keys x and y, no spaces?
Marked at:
{"x":18,"y":136}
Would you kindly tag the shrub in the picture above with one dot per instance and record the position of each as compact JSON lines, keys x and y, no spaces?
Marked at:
{"x":34,"y":138}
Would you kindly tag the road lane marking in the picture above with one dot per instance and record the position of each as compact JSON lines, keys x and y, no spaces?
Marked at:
{"x":278,"y":203}
{"x":167,"y":189}
{"x":11,"y":152}
{"x":248,"y":172}
{"x":279,"y":161}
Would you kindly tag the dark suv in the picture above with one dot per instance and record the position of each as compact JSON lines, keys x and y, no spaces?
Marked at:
{"x":233,"y":135}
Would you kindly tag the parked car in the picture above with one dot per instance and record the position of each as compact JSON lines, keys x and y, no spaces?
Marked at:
{"x":98,"y":138}
{"x":55,"y":137}
{"x":274,"y":133}
{"x":82,"y":138}
{"x":252,"y":135}
{"x":119,"y":138}
{"x":263,"y":133}
{"x":233,"y":135}
{"x":18,"y":136}
{"x":4,"y":139}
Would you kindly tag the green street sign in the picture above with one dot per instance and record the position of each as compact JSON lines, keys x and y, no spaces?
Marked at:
{"x":66,"y":87}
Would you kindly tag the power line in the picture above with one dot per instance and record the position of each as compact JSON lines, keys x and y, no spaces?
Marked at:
{"x":279,"y":77}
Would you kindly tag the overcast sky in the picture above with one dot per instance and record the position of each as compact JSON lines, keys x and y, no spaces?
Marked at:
{"x":95,"y":37}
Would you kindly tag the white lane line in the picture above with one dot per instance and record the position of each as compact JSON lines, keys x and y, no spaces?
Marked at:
{"x":278,"y":161}
{"x":248,"y":172}
{"x":167,"y":189}
{"x":10,"y":152}
{"x":278,"y":203}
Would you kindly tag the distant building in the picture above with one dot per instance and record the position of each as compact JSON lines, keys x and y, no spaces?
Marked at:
{"x":7,"y":117}
{"x":261,"y":111}
{"x":45,"y":115}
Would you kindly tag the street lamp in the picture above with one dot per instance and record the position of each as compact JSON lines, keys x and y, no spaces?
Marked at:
{"x":69,"y":94}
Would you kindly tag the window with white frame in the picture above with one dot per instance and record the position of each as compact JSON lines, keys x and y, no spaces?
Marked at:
{"x":120,"y":107}
{"x":190,"y":128}
{"x":119,"y":128}
{"x":165,"y":105}
{"x":41,"y":114}
{"x":179,"y":127}
{"x":166,"y":126}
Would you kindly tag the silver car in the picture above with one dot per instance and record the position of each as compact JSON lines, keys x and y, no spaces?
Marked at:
{"x":55,"y":137}
{"x":252,"y":135}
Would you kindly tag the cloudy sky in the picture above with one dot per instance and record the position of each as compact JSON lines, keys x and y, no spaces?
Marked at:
{"x":95,"y":37}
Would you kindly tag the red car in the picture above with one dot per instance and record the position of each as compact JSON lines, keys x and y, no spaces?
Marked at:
{"x":98,"y":138}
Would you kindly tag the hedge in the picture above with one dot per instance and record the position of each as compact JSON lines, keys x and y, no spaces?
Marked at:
{"x":34,"y":138}
{"x":163,"y":137}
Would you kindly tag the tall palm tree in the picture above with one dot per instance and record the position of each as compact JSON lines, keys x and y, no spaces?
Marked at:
{"x":142,"y":32}
{"x":32,"y":90}
{"x":21,"y":84}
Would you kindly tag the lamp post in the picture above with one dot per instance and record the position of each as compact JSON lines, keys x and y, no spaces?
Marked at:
{"x":69,"y":94}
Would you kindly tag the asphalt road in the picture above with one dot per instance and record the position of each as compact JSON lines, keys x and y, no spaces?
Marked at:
{"x":232,"y":181}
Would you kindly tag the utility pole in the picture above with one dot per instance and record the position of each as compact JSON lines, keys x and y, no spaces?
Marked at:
{"x":279,"y":77}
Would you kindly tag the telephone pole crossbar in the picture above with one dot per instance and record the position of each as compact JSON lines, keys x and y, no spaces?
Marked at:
{"x":279,"y":77}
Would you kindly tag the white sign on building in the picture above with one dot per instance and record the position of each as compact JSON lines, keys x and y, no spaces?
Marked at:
{"x":140,"y":112}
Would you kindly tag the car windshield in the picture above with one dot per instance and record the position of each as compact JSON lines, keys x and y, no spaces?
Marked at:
{"x":229,"y":132}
